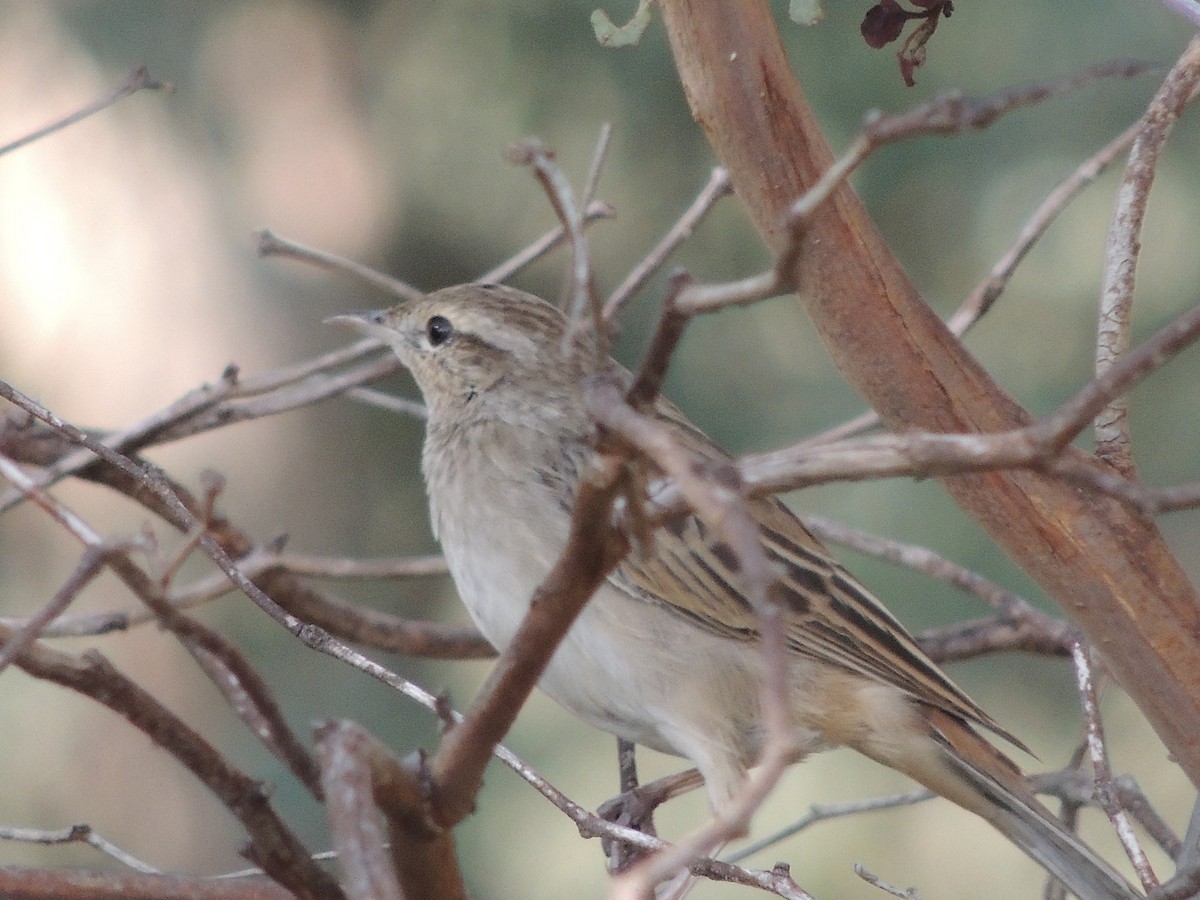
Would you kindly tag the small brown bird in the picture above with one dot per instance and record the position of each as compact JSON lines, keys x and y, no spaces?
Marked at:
{"x":666,"y":653}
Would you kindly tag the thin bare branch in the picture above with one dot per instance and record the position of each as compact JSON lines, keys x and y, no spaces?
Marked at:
{"x":271,"y":244}
{"x":582,"y":300}
{"x":1185,"y":883}
{"x":998,"y":634}
{"x":718,"y":186}
{"x":1123,"y":247}
{"x":192,"y":403}
{"x":593,"y":177}
{"x":80,"y":833}
{"x":389,"y":402}
{"x":94,"y":559}
{"x":82,"y":884}
{"x":364,"y":781}
{"x":212,"y":406}
{"x":1035,"y":446}
{"x":312,"y":389}
{"x":821,"y":812}
{"x":1098,"y":752}
{"x":874,"y":880}
{"x":137,"y":80}
{"x":228,"y":669}
{"x":353,"y":816}
{"x":595,"y":211}
{"x":985,"y":294}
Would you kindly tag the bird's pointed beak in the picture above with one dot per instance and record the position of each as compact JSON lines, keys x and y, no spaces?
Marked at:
{"x":371,"y":323}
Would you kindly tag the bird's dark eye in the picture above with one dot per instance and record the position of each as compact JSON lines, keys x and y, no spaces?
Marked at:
{"x":438,"y":328}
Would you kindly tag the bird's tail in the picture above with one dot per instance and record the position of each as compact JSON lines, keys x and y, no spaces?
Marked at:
{"x":980,"y":778}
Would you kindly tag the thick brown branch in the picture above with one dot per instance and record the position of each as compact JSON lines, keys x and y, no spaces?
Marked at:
{"x":1104,"y":564}
{"x":79,"y":884}
{"x":363,"y":782}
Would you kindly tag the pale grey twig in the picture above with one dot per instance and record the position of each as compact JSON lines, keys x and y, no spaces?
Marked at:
{"x":1123,"y":246}
{"x":595,"y":211}
{"x":593,"y":176}
{"x":137,"y":80}
{"x":820,"y":812}
{"x":391,"y":403}
{"x":254,"y":564}
{"x":719,"y":185}
{"x":581,"y":300}
{"x":1106,"y":792}
{"x":270,"y":244}
{"x":76,"y":834}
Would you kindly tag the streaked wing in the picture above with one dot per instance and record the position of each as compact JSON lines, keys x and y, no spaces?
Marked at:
{"x":831,"y":617}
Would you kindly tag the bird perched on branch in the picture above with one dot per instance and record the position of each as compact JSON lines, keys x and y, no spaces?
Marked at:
{"x":666,"y":653}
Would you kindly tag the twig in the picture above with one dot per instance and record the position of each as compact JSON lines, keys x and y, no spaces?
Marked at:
{"x":1124,"y":244}
{"x":137,"y":80}
{"x":582,"y":300}
{"x":353,"y":816}
{"x":598,"y":157}
{"x":718,"y":186}
{"x":80,"y":833}
{"x":270,"y":244}
{"x":318,"y":386}
{"x":821,"y":812}
{"x":156,"y":483}
{"x":190,"y":404}
{"x":1185,"y":883}
{"x":1077,"y":789}
{"x":94,"y":559}
{"x":950,"y":114}
{"x":1034,"y":446}
{"x":595,"y":212}
{"x":348,"y":620}
{"x":391,"y":403}
{"x":947,"y":114}
{"x":211,"y":406}
{"x":997,"y":634}
{"x":985,"y":294}
{"x":255,"y":564}
{"x":861,"y":871}
{"x":1098,"y":753}
{"x":75,"y":884}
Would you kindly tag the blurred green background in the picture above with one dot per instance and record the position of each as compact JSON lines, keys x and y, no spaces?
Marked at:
{"x":377,"y":130}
